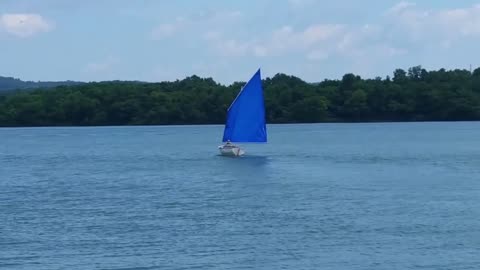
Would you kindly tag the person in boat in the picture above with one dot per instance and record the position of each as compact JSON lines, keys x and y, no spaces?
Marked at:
{"x":228,"y":144}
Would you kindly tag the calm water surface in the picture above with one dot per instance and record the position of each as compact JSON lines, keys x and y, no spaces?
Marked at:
{"x":327,"y":196}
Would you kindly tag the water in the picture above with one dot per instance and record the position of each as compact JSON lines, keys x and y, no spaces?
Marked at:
{"x":329,"y":196}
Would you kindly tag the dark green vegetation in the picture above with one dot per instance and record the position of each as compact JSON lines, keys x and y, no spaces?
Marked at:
{"x":413,"y":95}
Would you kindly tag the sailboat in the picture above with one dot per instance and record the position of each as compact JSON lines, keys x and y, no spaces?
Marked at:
{"x":245,"y":118}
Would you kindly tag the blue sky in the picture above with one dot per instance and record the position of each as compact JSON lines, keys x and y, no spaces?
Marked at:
{"x":156,"y":40}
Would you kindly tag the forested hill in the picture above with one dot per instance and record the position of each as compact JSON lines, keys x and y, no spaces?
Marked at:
{"x":9,"y":83}
{"x":412,"y":95}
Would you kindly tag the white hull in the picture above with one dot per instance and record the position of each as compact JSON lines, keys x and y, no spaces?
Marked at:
{"x":234,"y":151}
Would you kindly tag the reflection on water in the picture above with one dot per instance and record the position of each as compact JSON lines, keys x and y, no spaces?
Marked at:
{"x":252,"y":160}
{"x":244,"y":168}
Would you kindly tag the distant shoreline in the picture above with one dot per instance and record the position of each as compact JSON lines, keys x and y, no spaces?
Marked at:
{"x":221,"y":125}
{"x":413,"y":95}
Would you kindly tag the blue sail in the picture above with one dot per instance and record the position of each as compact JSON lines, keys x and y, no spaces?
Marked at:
{"x":246,"y":115}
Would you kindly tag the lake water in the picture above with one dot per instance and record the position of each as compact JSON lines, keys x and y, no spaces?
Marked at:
{"x":326,"y":196}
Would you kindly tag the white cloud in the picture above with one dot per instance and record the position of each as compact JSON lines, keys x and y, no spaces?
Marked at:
{"x":195,"y":23}
{"x":166,"y":30}
{"x":227,"y":46}
{"x":321,"y":32}
{"x":225,"y":16}
{"x":405,"y":32}
{"x":260,"y":51}
{"x":24,"y":25}
{"x":102,"y":66}
{"x":163,"y":31}
{"x":300,"y":3}
{"x":466,"y":20}
{"x":403,"y":23}
{"x":233,"y":48}
{"x":356,"y":38}
{"x":317,"y":42}
{"x":315,"y":37}
{"x":212,"y":35}
{"x":280,"y":41}
{"x":400,"y":7}
{"x":317,"y":55}
{"x":444,"y":26}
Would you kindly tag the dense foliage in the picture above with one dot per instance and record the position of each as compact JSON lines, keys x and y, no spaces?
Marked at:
{"x":413,"y":95}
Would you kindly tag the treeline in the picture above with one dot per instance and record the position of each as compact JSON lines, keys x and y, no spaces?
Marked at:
{"x":412,"y":95}
{"x":9,"y":83}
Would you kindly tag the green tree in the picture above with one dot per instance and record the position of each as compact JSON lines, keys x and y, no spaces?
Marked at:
{"x":414,"y":95}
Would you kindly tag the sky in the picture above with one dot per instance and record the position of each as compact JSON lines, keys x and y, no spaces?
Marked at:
{"x":158,"y":40}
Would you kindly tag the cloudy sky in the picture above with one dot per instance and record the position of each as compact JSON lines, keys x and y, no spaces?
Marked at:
{"x":155,"y":40}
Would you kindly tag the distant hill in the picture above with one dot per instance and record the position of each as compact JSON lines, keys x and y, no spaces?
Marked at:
{"x":9,"y":83}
